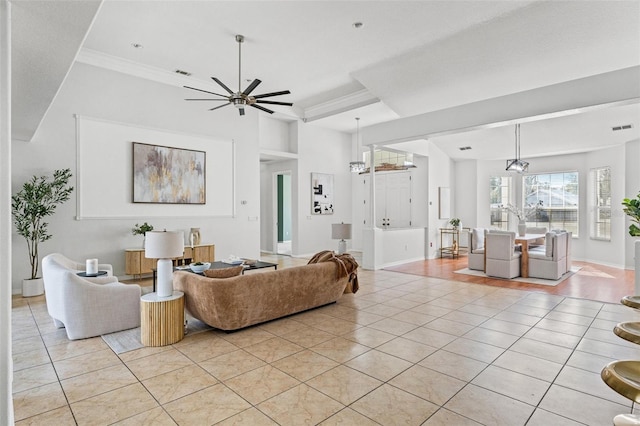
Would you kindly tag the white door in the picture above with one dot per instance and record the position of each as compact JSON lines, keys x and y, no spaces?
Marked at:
{"x":393,"y":200}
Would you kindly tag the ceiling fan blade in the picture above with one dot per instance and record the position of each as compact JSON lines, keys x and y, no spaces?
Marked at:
{"x":205,"y":91}
{"x":224,"y":99}
{"x":222,"y":85}
{"x":262,"y":108}
{"x":275,"y":103}
{"x":252,"y":86}
{"x":267,"y":95}
{"x":219,"y":106}
{"x":241,"y":111}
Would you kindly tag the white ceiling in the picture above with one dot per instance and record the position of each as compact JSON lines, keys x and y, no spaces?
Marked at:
{"x":409,"y":58}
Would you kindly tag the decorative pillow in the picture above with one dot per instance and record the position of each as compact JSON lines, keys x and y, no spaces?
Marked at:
{"x":477,"y":239}
{"x":233,"y":271}
{"x":548,"y":241}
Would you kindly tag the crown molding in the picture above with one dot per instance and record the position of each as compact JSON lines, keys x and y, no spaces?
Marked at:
{"x":136,"y":69}
{"x":338,"y":105}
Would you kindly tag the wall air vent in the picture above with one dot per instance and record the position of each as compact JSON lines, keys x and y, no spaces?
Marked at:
{"x":623,"y":127}
{"x":464,"y":148}
{"x":182,"y":72}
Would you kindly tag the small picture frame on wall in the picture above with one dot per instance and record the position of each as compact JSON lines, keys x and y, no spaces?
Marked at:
{"x":321,"y":193}
{"x":167,"y":175}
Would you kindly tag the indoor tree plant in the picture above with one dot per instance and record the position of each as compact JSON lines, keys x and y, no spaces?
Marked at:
{"x":38,"y":199}
{"x":632,"y":209}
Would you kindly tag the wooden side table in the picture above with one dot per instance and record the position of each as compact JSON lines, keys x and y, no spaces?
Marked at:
{"x":161,"y":319}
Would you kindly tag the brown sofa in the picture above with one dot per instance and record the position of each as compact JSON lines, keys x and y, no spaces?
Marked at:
{"x":244,"y":300}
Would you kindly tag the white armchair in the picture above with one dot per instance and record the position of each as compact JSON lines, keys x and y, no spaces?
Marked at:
{"x":549,"y":262}
{"x":476,"y":249}
{"x":88,"y":307}
{"x":503,"y":260}
{"x":79,"y":267}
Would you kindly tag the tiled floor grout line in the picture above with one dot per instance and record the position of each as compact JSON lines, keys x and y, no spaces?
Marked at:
{"x":385,"y":287}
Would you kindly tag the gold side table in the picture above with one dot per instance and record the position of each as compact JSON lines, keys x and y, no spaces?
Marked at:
{"x":161,"y":319}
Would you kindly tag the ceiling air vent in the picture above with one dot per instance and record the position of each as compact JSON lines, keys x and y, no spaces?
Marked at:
{"x":623,"y":127}
{"x":182,"y":72}
{"x":464,"y":148}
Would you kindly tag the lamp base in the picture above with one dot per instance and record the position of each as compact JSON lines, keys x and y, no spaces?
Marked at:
{"x":342,"y":246}
{"x":165,"y":278}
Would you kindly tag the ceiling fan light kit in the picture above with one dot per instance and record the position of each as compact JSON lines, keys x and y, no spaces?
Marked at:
{"x":241,"y":98}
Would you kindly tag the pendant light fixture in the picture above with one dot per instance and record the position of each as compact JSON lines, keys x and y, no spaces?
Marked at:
{"x":357,"y":166}
{"x":517,"y":165}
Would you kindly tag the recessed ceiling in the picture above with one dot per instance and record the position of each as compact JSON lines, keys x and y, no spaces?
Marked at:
{"x":407,"y":59}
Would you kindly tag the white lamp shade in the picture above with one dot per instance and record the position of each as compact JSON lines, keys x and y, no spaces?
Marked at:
{"x":341,"y":231}
{"x":163,"y":244}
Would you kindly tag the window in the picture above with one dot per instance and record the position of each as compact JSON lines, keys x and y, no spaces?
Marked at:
{"x":382,"y":157}
{"x":551,"y":200}
{"x":499,"y":196}
{"x":600,"y":180}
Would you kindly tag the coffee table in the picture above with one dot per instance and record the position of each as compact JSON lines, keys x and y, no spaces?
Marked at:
{"x":221,"y":265}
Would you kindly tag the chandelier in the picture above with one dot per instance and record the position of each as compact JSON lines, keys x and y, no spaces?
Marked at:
{"x":357,"y":166}
{"x":517,"y":165}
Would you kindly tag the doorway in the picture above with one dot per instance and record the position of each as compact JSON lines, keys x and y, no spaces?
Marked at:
{"x":282,"y":229}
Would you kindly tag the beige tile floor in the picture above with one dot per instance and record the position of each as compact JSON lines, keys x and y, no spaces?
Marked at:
{"x":404,"y":350}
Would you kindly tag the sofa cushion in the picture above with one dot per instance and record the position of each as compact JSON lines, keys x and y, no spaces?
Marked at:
{"x":548,"y":241}
{"x":233,"y":271}
{"x":477,"y":239}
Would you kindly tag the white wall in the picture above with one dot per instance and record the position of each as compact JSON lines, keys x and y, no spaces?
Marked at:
{"x":108,"y":95}
{"x":606,"y":252}
{"x":274,"y":134}
{"x":441,"y":174}
{"x":466,"y":193}
{"x":6,"y":362}
{"x":320,"y":151}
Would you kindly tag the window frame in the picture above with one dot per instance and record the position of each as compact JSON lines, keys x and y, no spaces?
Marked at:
{"x":556,"y":216}
{"x":595,"y":208}
{"x":498,"y":208}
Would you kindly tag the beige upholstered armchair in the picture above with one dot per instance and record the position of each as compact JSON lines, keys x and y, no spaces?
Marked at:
{"x":88,"y":307}
{"x":503,"y":260}
{"x":549,"y":261}
{"x":476,"y":249}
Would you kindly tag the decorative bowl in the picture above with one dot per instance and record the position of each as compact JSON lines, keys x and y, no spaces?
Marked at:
{"x":200,"y":268}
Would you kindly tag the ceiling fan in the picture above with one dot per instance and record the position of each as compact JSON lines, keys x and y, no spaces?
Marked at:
{"x":242,"y":97}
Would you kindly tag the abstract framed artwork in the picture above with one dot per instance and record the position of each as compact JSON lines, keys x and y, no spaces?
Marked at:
{"x":167,"y":175}
{"x":321,"y":193}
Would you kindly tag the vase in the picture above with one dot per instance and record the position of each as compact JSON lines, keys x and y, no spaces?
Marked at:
{"x":522,"y":228}
{"x":194,"y":236}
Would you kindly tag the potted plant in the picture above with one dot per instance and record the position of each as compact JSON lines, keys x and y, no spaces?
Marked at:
{"x":141,"y":230}
{"x":455,"y":222}
{"x":632,"y":209}
{"x":38,"y":199}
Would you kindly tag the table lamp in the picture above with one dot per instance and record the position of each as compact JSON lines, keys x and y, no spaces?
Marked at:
{"x":342,"y":232}
{"x":164,"y":246}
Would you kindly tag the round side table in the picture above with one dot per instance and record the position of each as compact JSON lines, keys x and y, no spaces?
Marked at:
{"x":161,"y":319}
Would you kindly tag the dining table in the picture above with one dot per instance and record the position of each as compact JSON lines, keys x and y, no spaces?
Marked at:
{"x":524,"y":241}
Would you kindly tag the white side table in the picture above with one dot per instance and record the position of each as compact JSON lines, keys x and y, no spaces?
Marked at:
{"x":161,"y":319}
